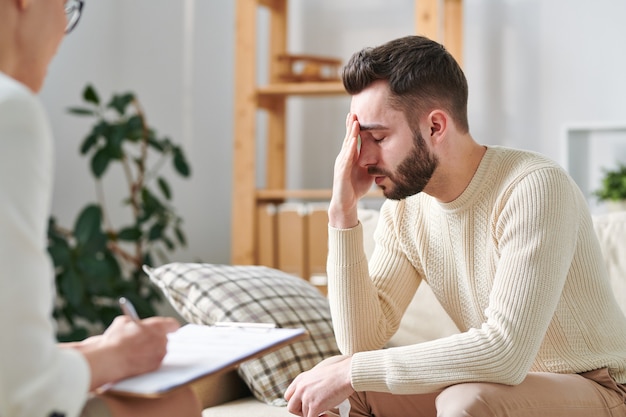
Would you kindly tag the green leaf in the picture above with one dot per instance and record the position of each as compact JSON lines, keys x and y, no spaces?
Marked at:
{"x":180,"y":236}
{"x":135,"y":122}
{"x":143,"y":307}
{"x":180,"y":163}
{"x":167,"y":143}
{"x":75,"y":335}
{"x":147,"y":259}
{"x":131,"y":234}
{"x":96,"y":244}
{"x":124,"y":286}
{"x":72,"y":287}
{"x":120,"y":102}
{"x":165,"y":188}
{"x":88,"y":143}
{"x":88,"y":311}
{"x":60,"y":253}
{"x":88,"y":224}
{"x":101,"y":129}
{"x":168,"y":242}
{"x":99,"y":274}
{"x":156,"y":144}
{"x":114,"y":265}
{"x":134,"y":128}
{"x":156,"y":231}
{"x":67,"y":312}
{"x":107,"y":314}
{"x":100,"y":162}
{"x":115,"y":140}
{"x":150,"y":204}
{"x":613,"y":184}
{"x":81,"y":111}
{"x":90,"y":95}
{"x":96,"y":267}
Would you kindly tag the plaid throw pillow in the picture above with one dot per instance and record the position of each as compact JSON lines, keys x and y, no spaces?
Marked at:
{"x":208,"y":293}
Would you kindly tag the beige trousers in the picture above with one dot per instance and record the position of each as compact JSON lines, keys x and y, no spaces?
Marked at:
{"x":592,"y":394}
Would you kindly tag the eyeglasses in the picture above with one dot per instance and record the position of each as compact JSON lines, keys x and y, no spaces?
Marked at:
{"x":73,"y":10}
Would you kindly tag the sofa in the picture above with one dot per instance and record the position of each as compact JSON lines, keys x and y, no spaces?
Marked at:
{"x":229,"y":394}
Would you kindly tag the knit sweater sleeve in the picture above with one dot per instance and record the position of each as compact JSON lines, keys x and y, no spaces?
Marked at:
{"x":367,"y":310}
{"x":536,"y":232}
{"x":37,"y":378}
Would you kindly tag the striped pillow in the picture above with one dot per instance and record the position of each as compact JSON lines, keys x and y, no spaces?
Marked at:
{"x":208,"y":293}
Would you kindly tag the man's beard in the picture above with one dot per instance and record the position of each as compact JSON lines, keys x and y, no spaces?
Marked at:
{"x":412,"y":174}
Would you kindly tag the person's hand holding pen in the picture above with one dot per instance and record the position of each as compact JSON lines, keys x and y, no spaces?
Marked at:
{"x":129,"y":309}
{"x":129,"y":346}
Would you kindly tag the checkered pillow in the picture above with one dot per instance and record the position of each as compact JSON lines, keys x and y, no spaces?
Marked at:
{"x":208,"y":293}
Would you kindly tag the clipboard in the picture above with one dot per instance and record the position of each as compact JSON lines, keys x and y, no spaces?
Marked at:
{"x":196,"y":351}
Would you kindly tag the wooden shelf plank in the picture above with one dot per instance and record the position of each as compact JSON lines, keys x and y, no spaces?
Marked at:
{"x":309,"y":194}
{"x":305,"y":89}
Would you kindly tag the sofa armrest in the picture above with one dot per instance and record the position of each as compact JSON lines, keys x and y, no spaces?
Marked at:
{"x":220,"y":388}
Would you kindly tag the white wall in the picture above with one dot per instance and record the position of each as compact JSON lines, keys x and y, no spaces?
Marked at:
{"x":532,"y":65}
{"x":138,"y":45}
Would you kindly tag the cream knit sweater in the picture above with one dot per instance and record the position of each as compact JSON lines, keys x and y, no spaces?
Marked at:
{"x":514,"y":261}
{"x":37,"y":378}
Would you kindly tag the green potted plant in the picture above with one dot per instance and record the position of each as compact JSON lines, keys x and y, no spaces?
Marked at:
{"x":96,"y":262}
{"x":613,"y":188}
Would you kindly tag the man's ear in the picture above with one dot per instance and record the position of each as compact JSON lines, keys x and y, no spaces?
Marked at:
{"x":437,"y":125}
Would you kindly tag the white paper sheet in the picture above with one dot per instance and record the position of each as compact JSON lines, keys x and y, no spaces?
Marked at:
{"x":196,"y":350}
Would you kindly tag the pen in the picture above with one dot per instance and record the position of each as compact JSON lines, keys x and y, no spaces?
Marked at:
{"x":128,"y":309}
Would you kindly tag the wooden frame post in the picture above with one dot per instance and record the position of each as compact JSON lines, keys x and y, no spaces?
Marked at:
{"x":243,"y":222}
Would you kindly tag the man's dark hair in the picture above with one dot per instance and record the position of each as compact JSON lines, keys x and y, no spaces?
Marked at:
{"x":421,"y":73}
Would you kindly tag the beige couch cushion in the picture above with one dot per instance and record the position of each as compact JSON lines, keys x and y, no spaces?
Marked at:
{"x":208,"y":293}
{"x":611,"y":231}
{"x":246,"y":407}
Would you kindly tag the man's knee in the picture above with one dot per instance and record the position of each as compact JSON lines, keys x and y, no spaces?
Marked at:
{"x":468,"y":400}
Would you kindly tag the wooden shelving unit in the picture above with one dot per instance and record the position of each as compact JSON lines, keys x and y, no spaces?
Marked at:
{"x":441,"y":20}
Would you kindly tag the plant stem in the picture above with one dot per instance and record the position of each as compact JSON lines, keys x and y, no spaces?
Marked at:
{"x":101,"y":200}
{"x":116,"y":249}
{"x":141,"y":168}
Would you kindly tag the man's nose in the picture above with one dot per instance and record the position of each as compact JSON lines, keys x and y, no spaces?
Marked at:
{"x":368,"y":154}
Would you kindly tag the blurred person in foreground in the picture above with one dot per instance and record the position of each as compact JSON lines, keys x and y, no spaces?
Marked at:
{"x":503,"y":237}
{"x":38,"y":376}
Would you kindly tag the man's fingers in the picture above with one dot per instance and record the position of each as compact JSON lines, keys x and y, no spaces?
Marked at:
{"x":294,"y":405}
{"x":352,"y":126}
{"x":289,"y":392}
{"x":350,"y":149}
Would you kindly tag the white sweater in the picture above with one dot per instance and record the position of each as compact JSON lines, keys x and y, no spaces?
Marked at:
{"x":36,"y":377}
{"x":514,"y":261}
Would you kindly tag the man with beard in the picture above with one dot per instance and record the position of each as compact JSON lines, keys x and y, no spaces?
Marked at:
{"x":503,"y":237}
